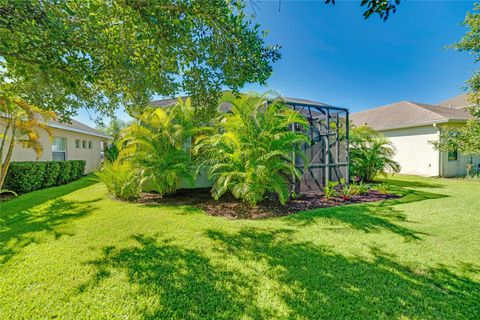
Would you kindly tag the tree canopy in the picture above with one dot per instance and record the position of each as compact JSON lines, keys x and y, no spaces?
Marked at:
{"x":466,"y":139}
{"x":105,"y":54}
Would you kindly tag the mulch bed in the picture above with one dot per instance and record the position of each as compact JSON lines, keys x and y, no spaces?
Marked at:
{"x":229,"y":207}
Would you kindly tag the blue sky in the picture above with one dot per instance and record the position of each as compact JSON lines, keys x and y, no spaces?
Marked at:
{"x":331,"y":54}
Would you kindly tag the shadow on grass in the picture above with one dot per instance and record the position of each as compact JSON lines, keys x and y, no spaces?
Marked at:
{"x":29,"y":218}
{"x":183,"y":282}
{"x":35,"y":198}
{"x":411,"y":183}
{"x":371,"y":217}
{"x":263,"y":274}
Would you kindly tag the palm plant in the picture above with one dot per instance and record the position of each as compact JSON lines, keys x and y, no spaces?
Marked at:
{"x":21,"y":123}
{"x":157,"y":144}
{"x":254,"y":149}
{"x":371,"y":153}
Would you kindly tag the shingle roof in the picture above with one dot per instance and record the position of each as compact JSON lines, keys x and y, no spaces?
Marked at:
{"x":460,"y":101}
{"x":407,"y":114}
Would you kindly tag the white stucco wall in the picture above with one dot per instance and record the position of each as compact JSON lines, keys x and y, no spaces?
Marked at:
{"x":414,"y":152}
{"x":91,"y":156}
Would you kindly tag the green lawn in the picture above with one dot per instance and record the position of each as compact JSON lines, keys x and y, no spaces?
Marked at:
{"x":71,"y":252}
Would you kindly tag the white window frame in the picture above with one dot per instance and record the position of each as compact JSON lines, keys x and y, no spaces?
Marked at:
{"x":60,"y":151}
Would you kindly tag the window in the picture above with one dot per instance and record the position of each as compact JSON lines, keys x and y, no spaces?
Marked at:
{"x":77,"y":144}
{"x":453,"y":155}
{"x":90,"y":144}
{"x":84,"y":144}
{"x":59,"y":149}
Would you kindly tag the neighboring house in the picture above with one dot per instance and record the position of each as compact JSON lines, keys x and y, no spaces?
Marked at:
{"x":71,"y":141}
{"x":411,"y":126}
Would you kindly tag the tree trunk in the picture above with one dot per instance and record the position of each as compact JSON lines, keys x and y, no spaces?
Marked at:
{"x":4,"y":139}
{"x":6,"y":163}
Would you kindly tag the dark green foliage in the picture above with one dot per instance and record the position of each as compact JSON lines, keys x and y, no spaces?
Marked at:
{"x":65,"y":172}
{"x":111,"y":152}
{"x":26,"y":176}
{"x":77,"y":170}
{"x":106,"y":54}
{"x":52,"y":170}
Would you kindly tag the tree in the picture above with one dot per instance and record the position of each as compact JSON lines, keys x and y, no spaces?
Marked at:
{"x":20,"y":123}
{"x":253,"y":151}
{"x":371,"y":153}
{"x":158,"y":145}
{"x":466,"y":139}
{"x":114,"y":129}
{"x":382,"y":8}
{"x":106,"y":54}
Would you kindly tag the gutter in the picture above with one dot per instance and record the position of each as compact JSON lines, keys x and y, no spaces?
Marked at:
{"x":422,"y":124}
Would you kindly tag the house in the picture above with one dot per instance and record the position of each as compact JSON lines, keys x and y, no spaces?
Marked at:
{"x":71,"y":141}
{"x":411,"y":127}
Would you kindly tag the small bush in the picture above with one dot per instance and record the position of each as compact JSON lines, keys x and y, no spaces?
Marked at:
{"x":77,"y":169}
{"x":382,"y":188}
{"x":111,"y":152}
{"x":65,"y":172}
{"x":329,"y":190}
{"x":25,"y":176}
{"x":52,"y":170}
{"x":121,"y":179}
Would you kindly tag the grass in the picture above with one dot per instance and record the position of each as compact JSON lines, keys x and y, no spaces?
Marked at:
{"x":71,"y":252}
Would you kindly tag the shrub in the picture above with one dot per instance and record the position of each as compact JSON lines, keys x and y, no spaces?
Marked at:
{"x":370,"y":154}
{"x":158,"y":145}
{"x":347,"y":193}
{"x":65,"y":172}
{"x":25,"y":176}
{"x":330,"y":190}
{"x":121,"y":179}
{"x":359,"y":188}
{"x":52,"y":170}
{"x":77,"y":169}
{"x":382,"y":188}
{"x":254,"y":150}
{"x":111,"y":152}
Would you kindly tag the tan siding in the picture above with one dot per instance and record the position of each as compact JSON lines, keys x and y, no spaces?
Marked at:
{"x":91,"y":156}
{"x":414,"y":152}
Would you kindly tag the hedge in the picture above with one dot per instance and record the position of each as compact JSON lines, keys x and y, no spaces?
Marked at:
{"x":26,"y":176}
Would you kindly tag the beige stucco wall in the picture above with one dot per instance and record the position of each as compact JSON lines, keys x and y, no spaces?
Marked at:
{"x":414,"y":152}
{"x":91,"y":156}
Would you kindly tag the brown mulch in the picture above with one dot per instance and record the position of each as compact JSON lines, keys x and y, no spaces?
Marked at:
{"x":229,"y":207}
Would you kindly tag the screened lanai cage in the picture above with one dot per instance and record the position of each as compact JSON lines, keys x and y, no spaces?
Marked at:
{"x":327,"y":154}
